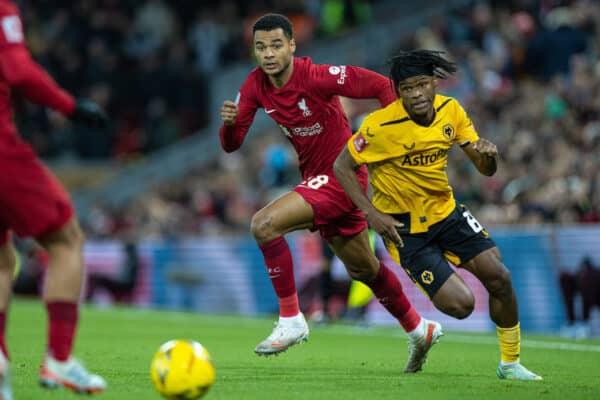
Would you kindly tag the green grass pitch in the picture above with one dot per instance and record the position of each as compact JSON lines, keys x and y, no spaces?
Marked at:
{"x":338,"y":362}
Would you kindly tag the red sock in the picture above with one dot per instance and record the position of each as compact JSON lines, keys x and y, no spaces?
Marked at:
{"x":62,"y":322}
{"x":280,"y":266}
{"x":388,"y":290}
{"x":3,"y":334}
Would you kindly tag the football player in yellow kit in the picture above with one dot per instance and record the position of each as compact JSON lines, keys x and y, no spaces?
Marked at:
{"x":405,"y":146}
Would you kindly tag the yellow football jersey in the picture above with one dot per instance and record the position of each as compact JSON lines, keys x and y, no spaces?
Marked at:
{"x":407,"y":161}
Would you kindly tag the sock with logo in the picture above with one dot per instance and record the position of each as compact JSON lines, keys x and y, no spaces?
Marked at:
{"x":278,"y":259}
{"x":510,"y":344}
{"x":387,"y":288}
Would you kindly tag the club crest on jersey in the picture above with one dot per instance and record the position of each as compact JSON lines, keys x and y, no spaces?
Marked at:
{"x":360,"y":143}
{"x":448,"y":131}
{"x":302,"y":105}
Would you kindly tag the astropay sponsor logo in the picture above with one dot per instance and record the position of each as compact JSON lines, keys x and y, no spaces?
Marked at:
{"x":421,"y":159}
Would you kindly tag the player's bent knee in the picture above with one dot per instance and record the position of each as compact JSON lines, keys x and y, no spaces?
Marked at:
{"x":364,"y":275}
{"x":463,"y":310}
{"x":360,"y":268}
{"x":456,"y":303}
{"x":261,"y":227}
{"x":457,"y":310}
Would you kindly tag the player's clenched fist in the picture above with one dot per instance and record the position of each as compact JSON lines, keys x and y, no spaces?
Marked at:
{"x":485,"y":147}
{"x":229,"y":112}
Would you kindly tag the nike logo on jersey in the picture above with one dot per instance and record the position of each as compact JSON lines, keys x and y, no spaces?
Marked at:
{"x":270,"y":111}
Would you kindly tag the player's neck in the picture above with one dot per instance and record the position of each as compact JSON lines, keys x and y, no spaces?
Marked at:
{"x":424,"y":120}
{"x":283,"y":77}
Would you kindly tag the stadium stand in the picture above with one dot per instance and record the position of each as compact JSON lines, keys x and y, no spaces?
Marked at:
{"x":540,"y":106}
{"x":529,"y":76}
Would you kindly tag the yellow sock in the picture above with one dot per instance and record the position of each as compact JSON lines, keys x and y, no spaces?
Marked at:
{"x":510,"y":343}
{"x":360,"y":294}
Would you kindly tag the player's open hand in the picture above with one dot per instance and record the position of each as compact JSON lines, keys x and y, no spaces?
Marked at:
{"x":229,"y":112}
{"x":386,"y":226}
{"x":485,"y":147}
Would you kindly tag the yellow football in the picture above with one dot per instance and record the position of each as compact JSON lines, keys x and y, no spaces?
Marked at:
{"x":182,"y":370}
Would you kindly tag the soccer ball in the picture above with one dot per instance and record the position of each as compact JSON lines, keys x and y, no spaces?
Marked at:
{"x":182,"y":370}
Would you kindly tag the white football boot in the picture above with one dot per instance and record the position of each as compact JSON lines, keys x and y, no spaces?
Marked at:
{"x":419,"y":347}
{"x":5,"y":388}
{"x":288,"y":332}
{"x":70,"y":374}
{"x":516,"y":371}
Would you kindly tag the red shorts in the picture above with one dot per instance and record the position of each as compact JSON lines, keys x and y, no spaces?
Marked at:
{"x":334,"y":212}
{"x":32,"y":201}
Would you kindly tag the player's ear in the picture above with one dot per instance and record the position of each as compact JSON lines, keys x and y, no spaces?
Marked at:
{"x":293,"y":45}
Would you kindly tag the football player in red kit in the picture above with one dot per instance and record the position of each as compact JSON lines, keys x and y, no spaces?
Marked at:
{"x":34,"y":204}
{"x":302,"y":99}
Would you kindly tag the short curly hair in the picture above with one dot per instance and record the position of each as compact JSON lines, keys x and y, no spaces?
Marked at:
{"x":269,"y":22}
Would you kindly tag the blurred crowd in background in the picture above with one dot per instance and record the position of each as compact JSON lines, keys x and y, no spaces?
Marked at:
{"x":149,"y":63}
{"x":529,"y":77}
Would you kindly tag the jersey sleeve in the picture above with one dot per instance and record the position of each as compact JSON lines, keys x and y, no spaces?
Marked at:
{"x":354,"y":82}
{"x":365,"y":147}
{"x":233,"y":136}
{"x":21,"y":72}
{"x":465,"y":131}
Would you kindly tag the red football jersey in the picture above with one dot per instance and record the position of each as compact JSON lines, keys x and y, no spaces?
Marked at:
{"x":307,"y":109}
{"x":19,"y":72}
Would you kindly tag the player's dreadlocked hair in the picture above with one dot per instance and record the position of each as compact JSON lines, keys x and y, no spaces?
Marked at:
{"x":269,"y":22}
{"x":420,"y":62}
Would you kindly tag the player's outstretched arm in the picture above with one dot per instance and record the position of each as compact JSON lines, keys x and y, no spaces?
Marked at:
{"x":23,"y":74}
{"x":484,"y":155}
{"x":27,"y":77}
{"x":353,"y":82}
{"x":385,"y":225}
